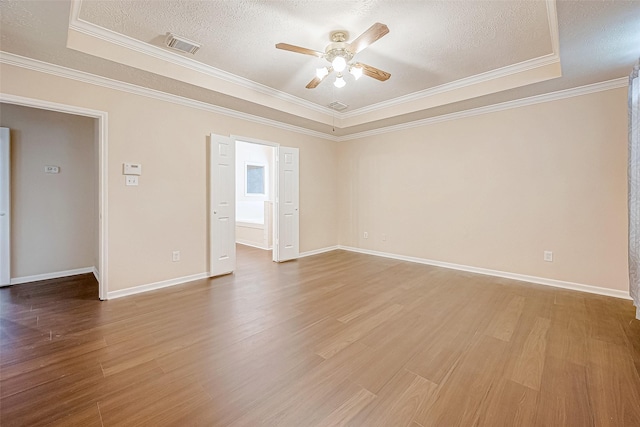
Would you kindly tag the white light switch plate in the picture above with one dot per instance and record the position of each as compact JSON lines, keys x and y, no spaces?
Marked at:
{"x":51,"y":169}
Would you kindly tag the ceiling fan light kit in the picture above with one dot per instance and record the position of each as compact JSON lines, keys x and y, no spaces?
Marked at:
{"x":323,"y":72}
{"x":339,"y":64}
{"x":356,"y":71}
{"x":340,"y":53}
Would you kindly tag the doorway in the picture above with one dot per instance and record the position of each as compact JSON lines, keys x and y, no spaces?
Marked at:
{"x":222,"y":200}
{"x":99,"y":193}
{"x":255,"y":194}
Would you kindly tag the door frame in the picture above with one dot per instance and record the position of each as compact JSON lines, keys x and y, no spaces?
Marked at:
{"x":276,"y":184}
{"x":5,"y":201}
{"x":103,"y":222}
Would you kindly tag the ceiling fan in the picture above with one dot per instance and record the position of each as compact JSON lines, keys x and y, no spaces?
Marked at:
{"x":340,"y":53}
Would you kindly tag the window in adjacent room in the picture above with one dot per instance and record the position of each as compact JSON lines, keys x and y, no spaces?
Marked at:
{"x":255,"y":180}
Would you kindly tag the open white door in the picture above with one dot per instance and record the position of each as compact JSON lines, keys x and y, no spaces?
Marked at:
{"x":5,"y":208}
{"x":286,"y":244}
{"x":222,"y":178}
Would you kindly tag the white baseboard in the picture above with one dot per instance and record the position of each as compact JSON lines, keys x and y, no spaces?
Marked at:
{"x":253,"y":245}
{"x":96,"y":274}
{"x":514,"y":276}
{"x":54,"y":275}
{"x":157,"y":285}
{"x":318,"y":251}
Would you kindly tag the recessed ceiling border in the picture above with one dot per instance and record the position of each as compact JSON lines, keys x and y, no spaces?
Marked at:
{"x":84,"y":77}
{"x":89,"y":29}
{"x":507,"y":105}
{"x":530,"y":64}
{"x":385,"y":109}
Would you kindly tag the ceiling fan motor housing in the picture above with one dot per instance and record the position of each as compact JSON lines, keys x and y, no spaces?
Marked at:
{"x":338,"y":49}
{"x":338,"y":46}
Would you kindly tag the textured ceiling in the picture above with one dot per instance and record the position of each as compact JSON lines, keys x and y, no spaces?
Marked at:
{"x":430,"y":43}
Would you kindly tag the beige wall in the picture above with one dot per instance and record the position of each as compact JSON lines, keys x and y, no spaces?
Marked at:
{"x":168,"y":210}
{"x":491,"y":191}
{"x":496,"y":190}
{"x":53,"y":225}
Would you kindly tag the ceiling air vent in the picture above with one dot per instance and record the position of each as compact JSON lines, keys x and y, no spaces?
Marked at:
{"x":181,"y":44}
{"x":338,"y":106}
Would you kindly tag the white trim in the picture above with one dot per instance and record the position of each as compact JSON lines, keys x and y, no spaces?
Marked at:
{"x":239,"y":138}
{"x":254,"y":225}
{"x":32,"y":64}
{"x":318,"y":251}
{"x":157,"y":285}
{"x":103,"y":227}
{"x":552,"y":18}
{"x":81,"y":76}
{"x":514,"y":276}
{"x":457,"y":84}
{"x":93,"y":30}
{"x":96,"y":274}
{"x":247,"y":243}
{"x":5,"y":206}
{"x":542,"y":61}
{"x":52,"y":106}
{"x":516,"y":103}
{"x":54,"y":275}
{"x":78,"y":24}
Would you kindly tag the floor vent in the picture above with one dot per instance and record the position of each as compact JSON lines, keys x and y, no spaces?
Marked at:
{"x":181,"y":44}
{"x":338,"y":106}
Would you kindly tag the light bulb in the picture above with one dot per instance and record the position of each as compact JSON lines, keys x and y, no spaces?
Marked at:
{"x":356,"y":71}
{"x":339,"y":82}
{"x":339,"y":64}
{"x":321,"y":73}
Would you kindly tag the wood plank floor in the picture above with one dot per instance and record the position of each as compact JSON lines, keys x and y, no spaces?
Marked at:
{"x":334,"y":339}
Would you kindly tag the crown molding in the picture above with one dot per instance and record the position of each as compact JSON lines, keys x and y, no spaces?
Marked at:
{"x":530,"y":64}
{"x":552,"y":18}
{"x":57,"y":70}
{"x":81,"y":76}
{"x":78,"y":24}
{"x":522,"y":102}
{"x":95,"y":31}
{"x":457,"y":84}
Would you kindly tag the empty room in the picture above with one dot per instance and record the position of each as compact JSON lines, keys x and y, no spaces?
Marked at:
{"x":319,"y":213}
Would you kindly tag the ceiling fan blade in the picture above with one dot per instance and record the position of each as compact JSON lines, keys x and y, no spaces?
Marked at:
{"x":374,"y":72}
{"x":375,"y":32}
{"x":315,"y":82}
{"x":298,"y":49}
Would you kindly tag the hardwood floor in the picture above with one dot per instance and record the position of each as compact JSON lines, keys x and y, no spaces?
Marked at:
{"x":334,"y":339}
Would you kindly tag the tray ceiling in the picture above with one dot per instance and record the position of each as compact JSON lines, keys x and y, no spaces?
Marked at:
{"x":443,"y":56}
